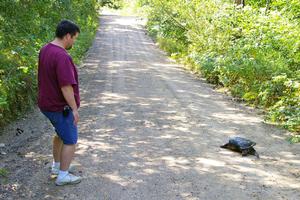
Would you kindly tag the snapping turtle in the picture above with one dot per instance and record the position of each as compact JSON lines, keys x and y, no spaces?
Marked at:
{"x":241,"y":145}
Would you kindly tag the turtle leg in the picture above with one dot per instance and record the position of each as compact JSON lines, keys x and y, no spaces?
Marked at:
{"x":245,"y":152}
{"x":253,"y":152}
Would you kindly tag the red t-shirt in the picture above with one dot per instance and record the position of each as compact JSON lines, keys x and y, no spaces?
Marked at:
{"x":55,"y":70}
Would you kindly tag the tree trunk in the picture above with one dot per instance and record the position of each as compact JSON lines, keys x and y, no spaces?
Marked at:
{"x":268,"y":5}
{"x":240,"y":2}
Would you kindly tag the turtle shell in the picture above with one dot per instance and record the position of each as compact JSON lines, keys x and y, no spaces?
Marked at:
{"x":241,"y":143}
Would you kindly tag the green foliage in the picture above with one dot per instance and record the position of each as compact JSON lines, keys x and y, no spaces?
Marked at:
{"x":25,"y":26}
{"x":3,"y":175}
{"x":253,"y":51}
{"x":116,"y":4}
{"x":294,"y":139}
{"x":3,"y":172}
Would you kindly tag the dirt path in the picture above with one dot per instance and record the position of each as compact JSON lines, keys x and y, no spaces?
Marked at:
{"x":150,"y":130}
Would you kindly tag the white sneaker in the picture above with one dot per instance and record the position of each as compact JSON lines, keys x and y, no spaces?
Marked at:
{"x":68,"y":179}
{"x":55,"y":170}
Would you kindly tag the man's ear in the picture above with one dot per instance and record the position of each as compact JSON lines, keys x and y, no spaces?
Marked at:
{"x":76,"y":35}
{"x":68,"y":36}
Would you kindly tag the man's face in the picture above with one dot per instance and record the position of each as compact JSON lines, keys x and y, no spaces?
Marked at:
{"x":70,"y":40}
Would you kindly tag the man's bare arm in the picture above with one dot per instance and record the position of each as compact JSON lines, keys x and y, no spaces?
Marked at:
{"x":68,"y":93}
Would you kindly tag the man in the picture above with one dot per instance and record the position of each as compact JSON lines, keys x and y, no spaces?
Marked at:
{"x":58,"y":98}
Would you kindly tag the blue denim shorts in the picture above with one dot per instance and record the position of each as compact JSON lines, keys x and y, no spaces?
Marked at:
{"x":64,"y":126}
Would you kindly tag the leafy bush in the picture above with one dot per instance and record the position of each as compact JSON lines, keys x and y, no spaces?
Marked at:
{"x":116,"y":4}
{"x":254,"y":50}
{"x":22,"y":34}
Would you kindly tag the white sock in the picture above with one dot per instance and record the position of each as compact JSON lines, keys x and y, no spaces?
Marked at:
{"x":55,"y":164}
{"x":62,"y":174}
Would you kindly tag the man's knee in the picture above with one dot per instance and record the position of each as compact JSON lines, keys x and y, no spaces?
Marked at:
{"x":56,"y":137}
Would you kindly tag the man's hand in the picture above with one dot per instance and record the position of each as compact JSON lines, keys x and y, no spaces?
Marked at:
{"x":76,"y":117}
{"x":69,"y":96}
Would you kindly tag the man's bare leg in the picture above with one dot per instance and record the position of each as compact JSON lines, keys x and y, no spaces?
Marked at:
{"x":66,"y":156}
{"x":57,"y":146}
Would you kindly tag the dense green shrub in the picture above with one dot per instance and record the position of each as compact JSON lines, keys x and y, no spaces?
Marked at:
{"x":25,"y":26}
{"x":116,"y":4}
{"x":168,"y":26}
{"x":254,"y":50}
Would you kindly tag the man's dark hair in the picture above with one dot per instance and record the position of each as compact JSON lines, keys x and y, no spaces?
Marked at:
{"x":64,"y":27}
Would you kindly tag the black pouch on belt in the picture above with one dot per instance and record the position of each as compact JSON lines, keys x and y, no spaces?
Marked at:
{"x":66,"y":111}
